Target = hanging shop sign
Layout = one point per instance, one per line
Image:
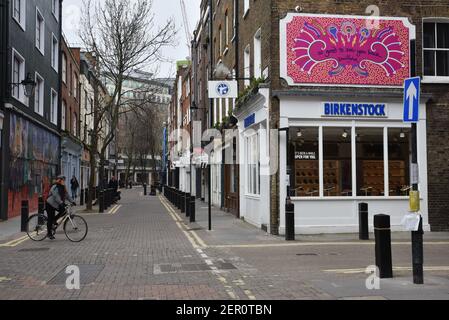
(338, 50)
(223, 89)
(358, 110)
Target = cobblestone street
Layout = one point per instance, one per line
(143, 249)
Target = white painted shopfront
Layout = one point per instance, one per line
(254, 160)
(340, 159)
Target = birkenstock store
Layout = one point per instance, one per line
(338, 154)
(346, 142)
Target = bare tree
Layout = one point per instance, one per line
(123, 36)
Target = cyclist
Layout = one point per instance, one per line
(56, 202)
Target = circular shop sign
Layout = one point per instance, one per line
(223, 89)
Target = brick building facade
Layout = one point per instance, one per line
(257, 39)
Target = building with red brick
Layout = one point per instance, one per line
(330, 83)
(71, 145)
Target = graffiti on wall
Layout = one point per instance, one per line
(340, 50)
(33, 164)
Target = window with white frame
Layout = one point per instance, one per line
(39, 95)
(252, 164)
(19, 12)
(75, 125)
(54, 53)
(257, 55)
(55, 8)
(436, 49)
(75, 85)
(63, 115)
(234, 19)
(54, 107)
(245, 7)
(356, 161)
(40, 31)
(246, 65)
(226, 29)
(64, 68)
(18, 75)
(220, 41)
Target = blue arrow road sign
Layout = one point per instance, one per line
(412, 91)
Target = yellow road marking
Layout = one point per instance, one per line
(113, 208)
(308, 244)
(114, 211)
(192, 241)
(15, 242)
(3, 279)
(354, 271)
(200, 241)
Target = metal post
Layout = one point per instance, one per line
(144, 189)
(382, 230)
(363, 221)
(81, 197)
(25, 213)
(187, 204)
(417, 236)
(41, 210)
(183, 202)
(192, 209)
(101, 201)
(289, 221)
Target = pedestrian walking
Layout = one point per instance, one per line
(74, 186)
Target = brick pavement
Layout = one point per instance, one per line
(148, 251)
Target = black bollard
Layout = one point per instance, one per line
(153, 191)
(417, 254)
(183, 202)
(81, 197)
(187, 204)
(25, 213)
(382, 231)
(192, 209)
(144, 189)
(101, 201)
(178, 199)
(289, 221)
(363, 221)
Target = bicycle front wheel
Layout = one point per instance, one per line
(75, 228)
(37, 227)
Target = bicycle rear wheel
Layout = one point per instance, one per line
(75, 228)
(37, 227)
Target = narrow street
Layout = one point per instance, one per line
(143, 249)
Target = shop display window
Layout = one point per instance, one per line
(370, 162)
(337, 165)
(337, 177)
(399, 161)
(305, 156)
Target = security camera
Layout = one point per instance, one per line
(298, 9)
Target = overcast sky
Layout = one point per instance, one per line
(164, 9)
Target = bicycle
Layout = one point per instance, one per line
(75, 227)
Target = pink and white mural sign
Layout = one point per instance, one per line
(345, 50)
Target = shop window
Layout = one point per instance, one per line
(370, 162)
(304, 150)
(399, 161)
(253, 164)
(337, 165)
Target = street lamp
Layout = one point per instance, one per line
(28, 84)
